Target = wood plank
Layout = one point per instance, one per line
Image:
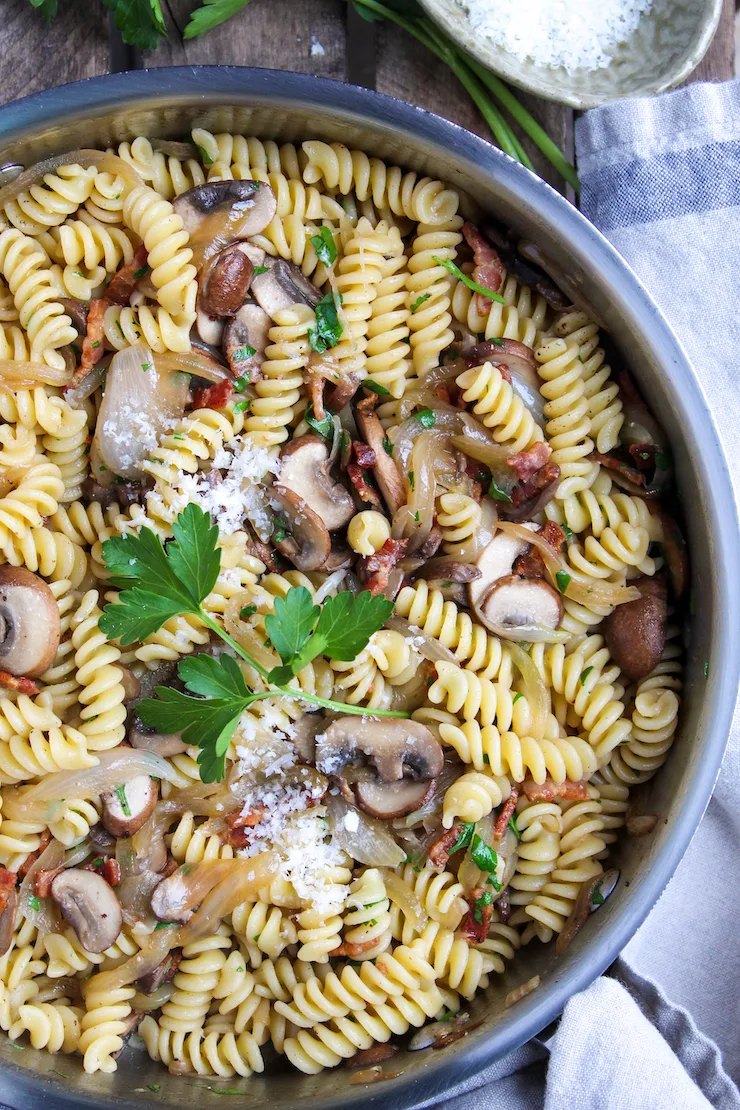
(718, 63)
(36, 57)
(407, 70)
(308, 36)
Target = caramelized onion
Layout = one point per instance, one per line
(425, 645)
(483, 450)
(22, 375)
(589, 591)
(103, 160)
(43, 800)
(408, 901)
(369, 843)
(535, 691)
(195, 363)
(240, 880)
(156, 947)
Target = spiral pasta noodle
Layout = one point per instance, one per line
(24, 266)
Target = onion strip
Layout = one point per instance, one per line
(22, 375)
(535, 691)
(585, 592)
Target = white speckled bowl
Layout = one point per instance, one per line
(667, 46)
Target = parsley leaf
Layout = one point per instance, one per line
(328, 330)
(451, 268)
(292, 623)
(514, 827)
(140, 22)
(324, 245)
(325, 427)
(498, 494)
(247, 611)
(121, 795)
(464, 838)
(213, 677)
(193, 556)
(139, 613)
(584, 675)
(374, 387)
(425, 418)
(347, 623)
(485, 858)
(597, 898)
(562, 578)
(485, 899)
(420, 301)
(210, 15)
(48, 8)
(207, 723)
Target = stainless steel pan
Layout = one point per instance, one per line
(287, 106)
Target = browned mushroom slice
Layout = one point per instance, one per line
(245, 339)
(521, 608)
(210, 328)
(494, 562)
(129, 806)
(239, 208)
(172, 900)
(7, 921)
(163, 973)
(146, 739)
(447, 570)
(385, 470)
(77, 312)
(90, 906)
(635, 632)
(283, 285)
(131, 684)
(225, 281)
(395, 749)
(304, 468)
(30, 628)
(306, 542)
(391, 800)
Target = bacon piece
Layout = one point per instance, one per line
(354, 950)
(631, 473)
(488, 267)
(343, 392)
(553, 534)
(530, 565)
(531, 496)
(8, 879)
(164, 973)
(502, 821)
(488, 352)
(378, 567)
(365, 457)
(42, 881)
(527, 463)
(248, 820)
(644, 455)
(356, 475)
(215, 396)
(474, 931)
(549, 790)
(112, 872)
(28, 863)
(19, 683)
(439, 852)
(123, 283)
(93, 346)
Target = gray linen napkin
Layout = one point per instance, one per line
(661, 179)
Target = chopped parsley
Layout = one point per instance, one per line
(328, 330)
(597, 898)
(562, 578)
(146, 366)
(425, 418)
(420, 301)
(416, 515)
(451, 268)
(466, 835)
(241, 354)
(584, 675)
(514, 828)
(375, 388)
(485, 899)
(241, 384)
(34, 903)
(260, 270)
(497, 493)
(204, 156)
(121, 794)
(247, 611)
(164, 925)
(568, 531)
(96, 344)
(706, 668)
(485, 858)
(516, 697)
(387, 446)
(279, 534)
(241, 406)
(323, 427)
(412, 480)
(324, 245)
(140, 273)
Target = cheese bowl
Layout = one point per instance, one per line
(290, 107)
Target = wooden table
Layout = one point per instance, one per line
(312, 36)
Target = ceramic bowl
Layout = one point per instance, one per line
(670, 41)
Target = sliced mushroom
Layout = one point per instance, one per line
(172, 899)
(246, 206)
(304, 468)
(247, 332)
(521, 608)
(102, 839)
(77, 312)
(395, 749)
(283, 285)
(391, 800)
(163, 973)
(306, 542)
(146, 739)
(131, 684)
(130, 806)
(494, 562)
(7, 920)
(447, 570)
(90, 906)
(225, 281)
(385, 470)
(210, 328)
(635, 632)
(30, 628)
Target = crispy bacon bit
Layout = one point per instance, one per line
(474, 931)
(376, 1054)
(343, 392)
(215, 396)
(365, 457)
(356, 475)
(644, 455)
(631, 473)
(502, 821)
(553, 534)
(378, 567)
(527, 463)
(548, 790)
(530, 565)
(248, 820)
(19, 683)
(543, 481)
(112, 872)
(352, 951)
(8, 880)
(439, 852)
(28, 863)
(123, 282)
(488, 267)
(93, 346)
(431, 543)
(315, 383)
(42, 881)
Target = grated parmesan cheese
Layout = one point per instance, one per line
(572, 34)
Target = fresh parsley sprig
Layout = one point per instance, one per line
(159, 581)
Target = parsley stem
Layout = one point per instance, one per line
(233, 643)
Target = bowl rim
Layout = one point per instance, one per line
(497, 60)
(212, 86)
